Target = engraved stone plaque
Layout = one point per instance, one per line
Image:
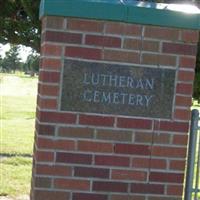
(117, 89)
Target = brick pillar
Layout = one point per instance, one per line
(109, 154)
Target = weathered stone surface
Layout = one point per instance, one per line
(117, 89)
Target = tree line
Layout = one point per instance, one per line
(19, 24)
(12, 62)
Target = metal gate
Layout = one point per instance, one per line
(192, 185)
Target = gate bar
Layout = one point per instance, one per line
(191, 154)
(198, 166)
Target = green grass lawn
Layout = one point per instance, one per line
(196, 105)
(15, 176)
(17, 119)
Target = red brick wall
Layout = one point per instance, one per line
(101, 157)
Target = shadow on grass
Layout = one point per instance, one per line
(9, 155)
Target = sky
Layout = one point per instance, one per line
(23, 53)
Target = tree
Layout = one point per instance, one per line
(19, 23)
(1, 59)
(196, 91)
(32, 64)
(11, 62)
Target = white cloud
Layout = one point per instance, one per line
(3, 49)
